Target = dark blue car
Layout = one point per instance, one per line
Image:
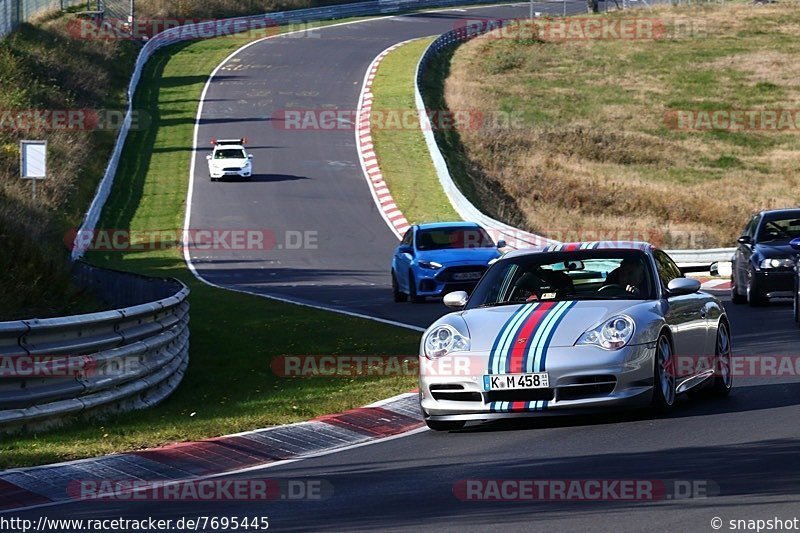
(764, 263)
(437, 258)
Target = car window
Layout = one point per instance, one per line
(667, 269)
(750, 229)
(229, 153)
(605, 274)
(408, 237)
(778, 228)
(453, 238)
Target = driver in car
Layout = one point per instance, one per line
(629, 275)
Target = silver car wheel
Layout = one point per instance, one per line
(724, 356)
(666, 373)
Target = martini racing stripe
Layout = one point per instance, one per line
(571, 247)
(525, 337)
(522, 339)
(516, 407)
(508, 328)
(537, 362)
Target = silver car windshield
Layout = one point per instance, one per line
(581, 275)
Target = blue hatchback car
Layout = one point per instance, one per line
(437, 258)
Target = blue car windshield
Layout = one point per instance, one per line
(606, 274)
(453, 238)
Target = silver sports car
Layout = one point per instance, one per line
(573, 326)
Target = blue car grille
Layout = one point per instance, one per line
(447, 274)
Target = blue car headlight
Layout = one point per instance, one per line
(431, 265)
(445, 339)
(612, 334)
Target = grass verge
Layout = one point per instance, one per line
(229, 386)
(46, 73)
(593, 144)
(414, 187)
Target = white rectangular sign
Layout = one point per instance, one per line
(33, 159)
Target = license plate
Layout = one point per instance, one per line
(537, 380)
(464, 276)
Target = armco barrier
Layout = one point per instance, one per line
(515, 237)
(131, 357)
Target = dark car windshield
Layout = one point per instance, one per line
(779, 229)
(229, 153)
(455, 237)
(580, 275)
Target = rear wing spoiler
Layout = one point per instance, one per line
(219, 142)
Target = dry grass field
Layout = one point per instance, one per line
(591, 143)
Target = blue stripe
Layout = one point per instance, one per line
(543, 360)
(500, 336)
(531, 363)
(498, 364)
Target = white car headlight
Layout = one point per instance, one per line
(777, 263)
(612, 334)
(444, 339)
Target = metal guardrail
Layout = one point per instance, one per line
(128, 358)
(515, 237)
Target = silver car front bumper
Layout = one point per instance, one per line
(580, 378)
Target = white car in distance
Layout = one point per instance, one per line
(229, 158)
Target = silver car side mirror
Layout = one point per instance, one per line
(208, 157)
(682, 286)
(456, 299)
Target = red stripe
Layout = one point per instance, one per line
(571, 247)
(517, 406)
(518, 348)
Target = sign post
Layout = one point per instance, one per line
(33, 161)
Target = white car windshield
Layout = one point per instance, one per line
(581, 275)
(229, 153)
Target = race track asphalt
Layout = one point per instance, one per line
(308, 185)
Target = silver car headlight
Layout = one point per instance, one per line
(444, 339)
(612, 334)
(777, 263)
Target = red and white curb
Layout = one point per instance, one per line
(40, 486)
(716, 285)
(366, 152)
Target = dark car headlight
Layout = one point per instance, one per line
(431, 265)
